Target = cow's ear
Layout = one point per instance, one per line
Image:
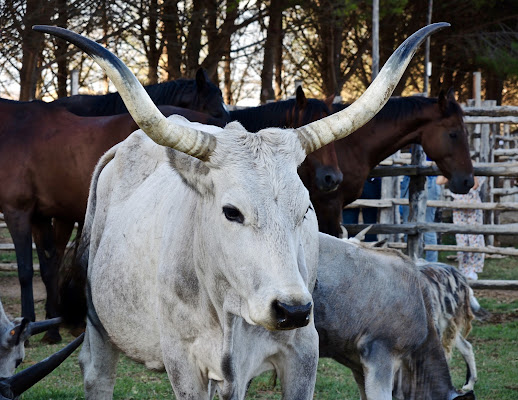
(301, 97)
(195, 173)
(201, 79)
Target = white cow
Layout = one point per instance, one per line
(201, 245)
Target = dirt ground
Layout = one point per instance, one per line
(10, 294)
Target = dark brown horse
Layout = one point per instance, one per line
(435, 123)
(320, 171)
(47, 156)
(198, 94)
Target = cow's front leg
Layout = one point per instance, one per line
(98, 361)
(185, 377)
(297, 368)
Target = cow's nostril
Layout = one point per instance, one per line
(291, 317)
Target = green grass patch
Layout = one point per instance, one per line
(495, 344)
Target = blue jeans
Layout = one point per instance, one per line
(371, 190)
(433, 192)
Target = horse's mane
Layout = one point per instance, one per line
(273, 115)
(167, 93)
(9, 101)
(400, 108)
(163, 92)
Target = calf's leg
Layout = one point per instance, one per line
(379, 368)
(466, 350)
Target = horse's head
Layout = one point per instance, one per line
(320, 170)
(445, 140)
(209, 98)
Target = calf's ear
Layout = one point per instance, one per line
(17, 333)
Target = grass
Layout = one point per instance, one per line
(495, 344)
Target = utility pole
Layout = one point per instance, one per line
(375, 38)
(427, 64)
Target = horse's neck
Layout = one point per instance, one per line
(257, 118)
(392, 136)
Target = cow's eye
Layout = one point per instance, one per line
(309, 208)
(453, 135)
(233, 214)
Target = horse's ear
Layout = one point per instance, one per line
(445, 98)
(329, 101)
(201, 78)
(450, 96)
(301, 97)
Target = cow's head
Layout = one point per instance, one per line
(255, 228)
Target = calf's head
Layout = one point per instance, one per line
(261, 247)
(13, 335)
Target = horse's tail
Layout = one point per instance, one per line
(73, 284)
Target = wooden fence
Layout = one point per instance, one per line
(494, 147)
(494, 144)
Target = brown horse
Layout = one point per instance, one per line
(47, 156)
(435, 123)
(320, 171)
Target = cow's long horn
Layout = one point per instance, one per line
(25, 379)
(337, 126)
(145, 113)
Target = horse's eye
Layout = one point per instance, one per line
(233, 214)
(453, 135)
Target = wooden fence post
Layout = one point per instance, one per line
(417, 204)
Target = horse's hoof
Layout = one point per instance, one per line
(76, 331)
(51, 337)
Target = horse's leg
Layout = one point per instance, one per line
(49, 267)
(19, 225)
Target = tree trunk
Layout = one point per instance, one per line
(172, 39)
(37, 12)
(61, 50)
(153, 47)
(227, 78)
(219, 38)
(494, 86)
(193, 48)
(278, 63)
(212, 39)
(274, 34)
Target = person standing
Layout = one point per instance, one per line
(470, 264)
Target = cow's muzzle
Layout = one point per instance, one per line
(291, 317)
